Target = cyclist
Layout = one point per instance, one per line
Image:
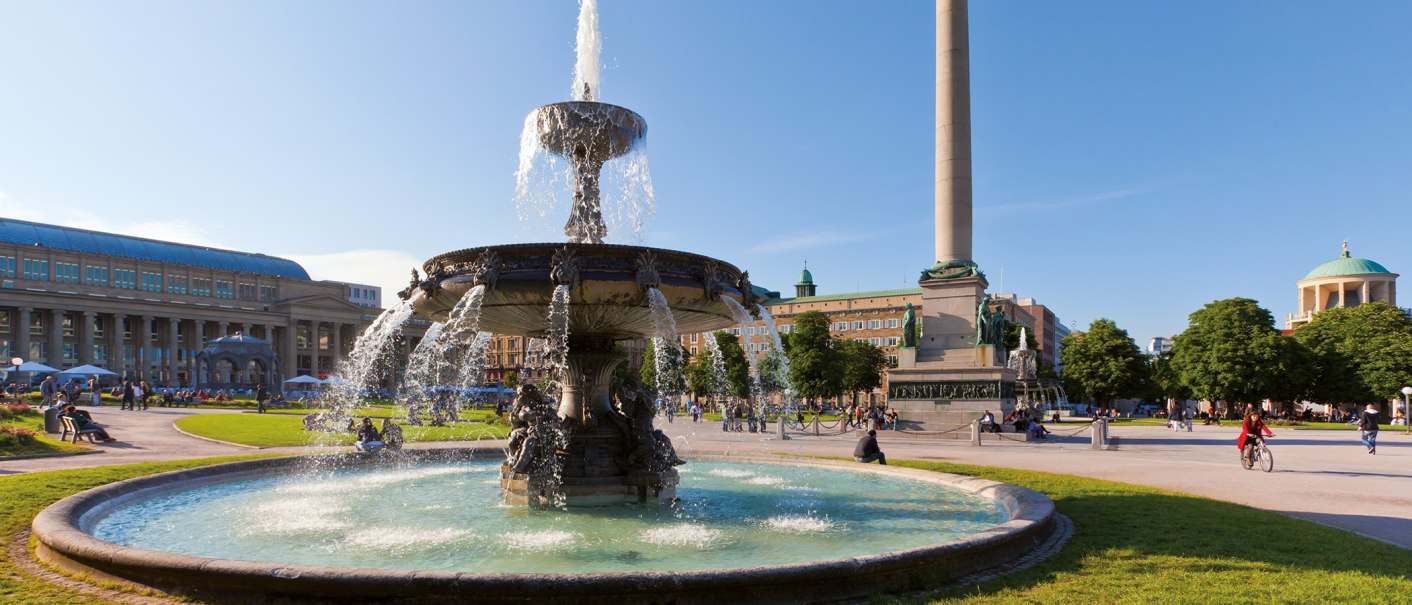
(1251, 430)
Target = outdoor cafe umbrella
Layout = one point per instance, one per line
(89, 370)
(304, 379)
(33, 366)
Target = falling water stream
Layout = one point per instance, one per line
(742, 317)
(667, 348)
(556, 349)
(369, 362)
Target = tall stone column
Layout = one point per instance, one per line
(173, 328)
(953, 132)
(337, 331)
(245, 330)
(144, 349)
(267, 333)
(224, 330)
(314, 344)
(85, 350)
(26, 316)
(287, 351)
(56, 338)
(117, 361)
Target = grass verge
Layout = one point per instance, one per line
(40, 443)
(26, 495)
(1274, 424)
(274, 430)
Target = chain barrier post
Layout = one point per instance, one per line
(783, 436)
(976, 432)
(816, 425)
(1097, 428)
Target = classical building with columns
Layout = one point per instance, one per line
(1342, 282)
(145, 308)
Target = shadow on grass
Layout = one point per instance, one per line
(1135, 544)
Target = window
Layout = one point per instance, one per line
(125, 278)
(68, 323)
(894, 323)
(36, 269)
(247, 291)
(693, 351)
(97, 276)
(875, 341)
(840, 326)
(694, 336)
(70, 351)
(127, 328)
(5, 349)
(176, 284)
(151, 282)
(7, 266)
(857, 325)
(302, 337)
(892, 341)
(735, 331)
(268, 294)
(892, 360)
(201, 286)
(36, 324)
(874, 324)
(4, 323)
(39, 351)
(787, 329)
(225, 289)
(66, 273)
(100, 353)
(98, 327)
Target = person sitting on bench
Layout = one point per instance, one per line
(988, 424)
(83, 422)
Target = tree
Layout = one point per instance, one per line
(1103, 363)
(813, 361)
(737, 367)
(1359, 354)
(511, 379)
(1012, 337)
(674, 360)
(1232, 352)
(701, 374)
(862, 366)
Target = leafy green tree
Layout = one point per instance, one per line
(1103, 363)
(669, 385)
(701, 374)
(1012, 337)
(511, 379)
(1359, 354)
(814, 369)
(649, 366)
(862, 366)
(737, 367)
(1232, 352)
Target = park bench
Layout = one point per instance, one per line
(70, 428)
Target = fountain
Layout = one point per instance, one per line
(571, 510)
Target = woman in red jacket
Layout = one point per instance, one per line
(1251, 429)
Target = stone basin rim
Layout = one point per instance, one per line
(64, 540)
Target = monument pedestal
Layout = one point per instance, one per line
(948, 381)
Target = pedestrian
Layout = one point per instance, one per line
(95, 391)
(144, 392)
(128, 402)
(139, 395)
(867, 449)
(261, 396)
(48, 390)
(1368, 427)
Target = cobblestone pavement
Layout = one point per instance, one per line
(1320, 475)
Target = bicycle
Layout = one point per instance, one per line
(1257, 453)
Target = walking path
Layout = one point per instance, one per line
(1320, 475)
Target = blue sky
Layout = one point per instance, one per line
(1133, 160)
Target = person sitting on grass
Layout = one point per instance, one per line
(391, 434)
(83, 422)
(368, 438)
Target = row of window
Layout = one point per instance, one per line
(872, 324)
(128, 279)
(39, 351)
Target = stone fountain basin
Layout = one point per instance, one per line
(588, 130)
(62, 531)
(608, 298)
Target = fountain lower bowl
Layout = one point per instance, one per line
(63, 531)
(609, 288)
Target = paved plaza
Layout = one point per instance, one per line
(1320, 475)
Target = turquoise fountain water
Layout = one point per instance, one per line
(449, 517)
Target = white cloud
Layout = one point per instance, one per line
(172, 230)
(390, 269)
(814, 239)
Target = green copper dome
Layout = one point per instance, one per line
(805, 277)
(1346, 265)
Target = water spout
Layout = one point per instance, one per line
(590, 46)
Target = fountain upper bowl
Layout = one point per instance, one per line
(588, 130)
(608, 288)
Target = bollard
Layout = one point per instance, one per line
(1105, 433)
(842, 427)
(1098, 433)
(781, 429)
(816, 425)
(976, 432)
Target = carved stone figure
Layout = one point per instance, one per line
(747, 292)
(530, 420)
(564, 268)
(951, 269)
(709, 281)
(487, 269)
(646, 268)
(909, 327)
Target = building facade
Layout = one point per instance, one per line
(363, 295)
(1342, 282)
(145, 308)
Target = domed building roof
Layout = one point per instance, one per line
(805, 277)
(1346, 265)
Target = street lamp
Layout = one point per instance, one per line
(16, 362)
(1407, 408)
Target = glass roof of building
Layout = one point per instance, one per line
(25, 233)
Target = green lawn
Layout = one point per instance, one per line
(1131, 545)
(272, 430)
(42, 443)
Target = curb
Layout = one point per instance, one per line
(49, 455)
